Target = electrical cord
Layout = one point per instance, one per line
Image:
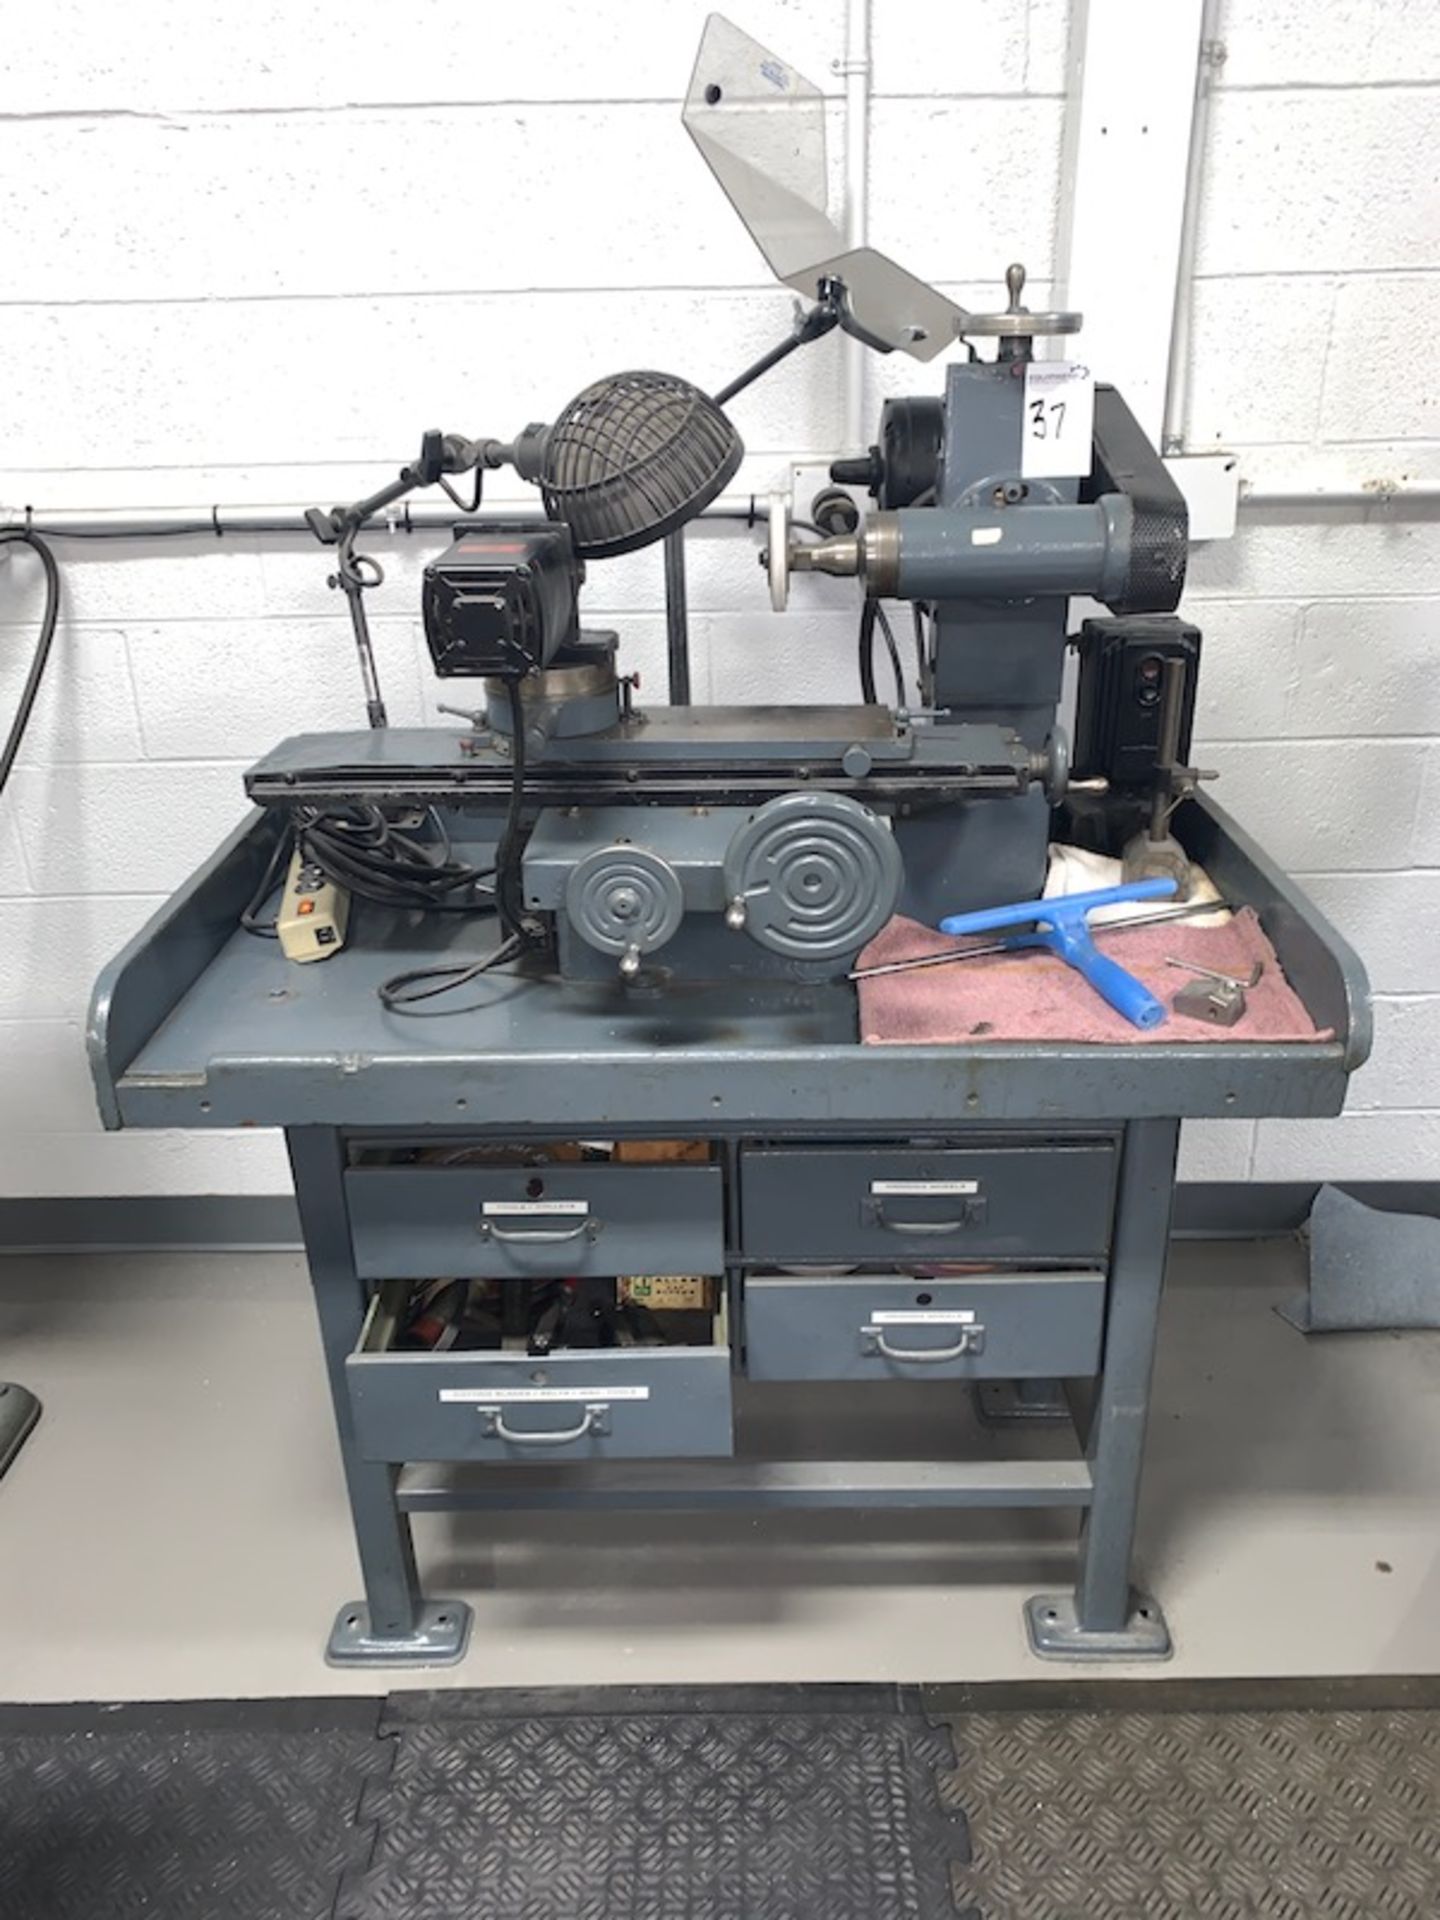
(871, 615)
(901, 698)
(926, 679)
(250, 914)
(403, 992)
(359, 849)
(49, 620)
(867, 652)
(509, 898)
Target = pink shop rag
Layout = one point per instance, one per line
(1036, 996)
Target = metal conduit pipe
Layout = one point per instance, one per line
(1209, 58)
(747, 509)
(220, 522)
(855, 68)
(677, 620)
(1377, 498)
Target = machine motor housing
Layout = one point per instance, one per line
(1120, 697)
(501, 602)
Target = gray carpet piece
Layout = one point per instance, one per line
(1369, 1269)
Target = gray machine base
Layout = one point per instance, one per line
(442, 1633)
(19, 1410)
(1055, 1632)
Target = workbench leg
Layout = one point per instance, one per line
(394, 1625)
(1104, 1619)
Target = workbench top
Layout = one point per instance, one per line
(200, 1024)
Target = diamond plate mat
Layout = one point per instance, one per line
(781, 1804)
(230, 1811)
(1258, 1815)
(1153, 1800)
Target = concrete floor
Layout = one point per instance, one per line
(176, 1525)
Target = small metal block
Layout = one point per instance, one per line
(1219, 1003)
(1055, 1632)
(441, 1636)
(1006, 1403)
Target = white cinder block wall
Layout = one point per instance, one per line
(251, 250)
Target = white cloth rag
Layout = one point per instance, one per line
(1077, 870)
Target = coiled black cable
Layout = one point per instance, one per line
(362, 850)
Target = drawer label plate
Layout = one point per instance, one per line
(523, 1208)
(925, 1317)
(496, 1396)
(896, 1187)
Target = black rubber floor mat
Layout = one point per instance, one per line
(1273, 1814)
(191, 1811)
(766, 1804)
(1156, 1800)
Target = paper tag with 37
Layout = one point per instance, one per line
(1059, 420)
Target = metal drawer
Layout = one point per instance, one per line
(619, 1404)
(1051, 1200)
(890, 1327)
(411, 1223)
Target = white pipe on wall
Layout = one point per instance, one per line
(855, 66)
(1377, 497)
(1209, 57)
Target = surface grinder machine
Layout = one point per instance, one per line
(598, 1161)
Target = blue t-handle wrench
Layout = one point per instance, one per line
(1062, 928)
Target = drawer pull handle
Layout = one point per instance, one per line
(539, 1236)
(873, 1340)
(971, 1214)
(595, 1419)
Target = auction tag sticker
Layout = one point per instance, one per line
(936, 1317)
(497, 1209)
(880, 1188)
(538, 1396)
(1059, 420)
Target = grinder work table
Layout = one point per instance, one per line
(966, 1214)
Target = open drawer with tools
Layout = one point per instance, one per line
(948, 1324)
(640, 1397)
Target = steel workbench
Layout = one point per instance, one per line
(1048, 1171)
